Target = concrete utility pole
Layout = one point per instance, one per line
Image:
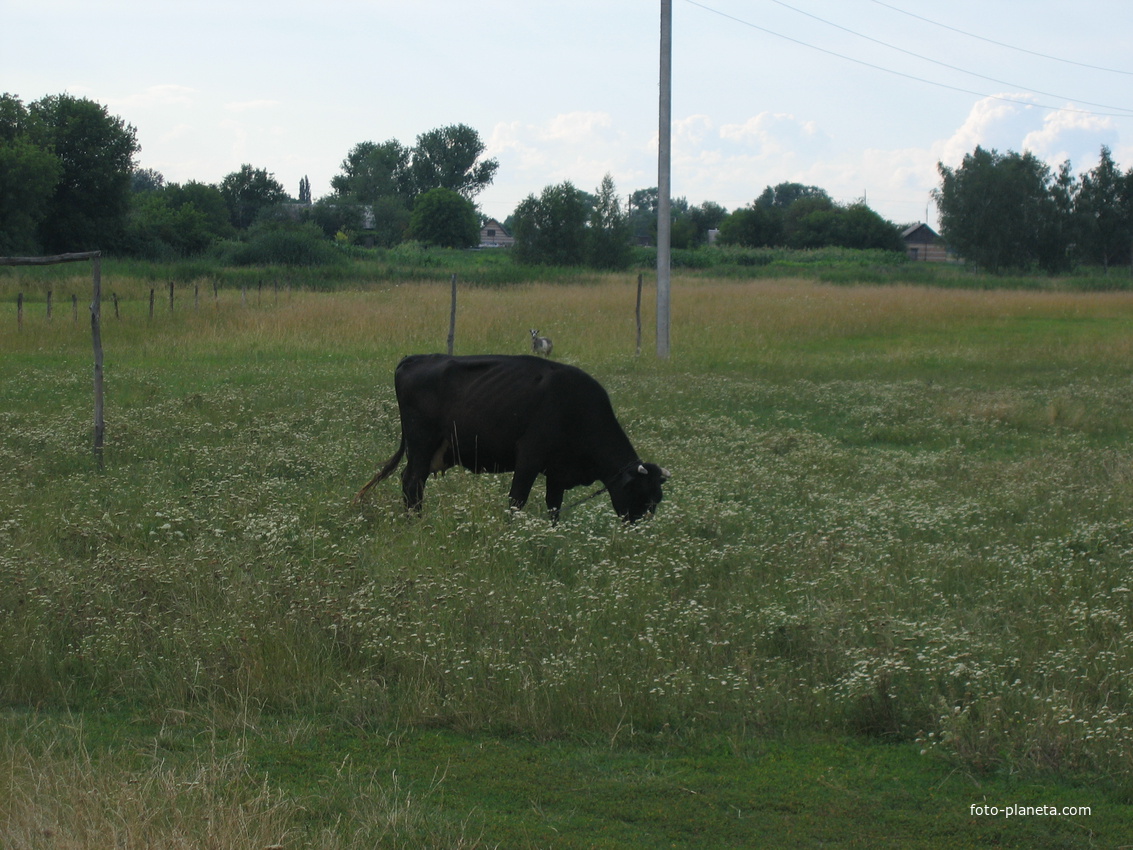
(664, 221)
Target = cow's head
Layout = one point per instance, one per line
(636, 490)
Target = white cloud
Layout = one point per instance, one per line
(776, 133)
(251, 105)
(692, 131)
(1074, 136)
(993, 122)
(156, 96)
(1053, 135)
(177, 131)
(575, 127)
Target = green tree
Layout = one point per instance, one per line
(372, 171)
(445, 218)
(752, 227)
(607, 238)
(1061, 230)
(392, 221)
(785, 195)
(860, 227)
(159, 230)
(91, 200)
(998, 211)
(705, 217)
(146, 180)
(248, 193)
(450, 158)
(1103, 214)
(551, 229)
(642, 214)
(208, 200)
(811, 222)
(334, 216)
(28, 177)
(176, 221)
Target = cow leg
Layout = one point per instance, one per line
(521, 483)
(554, 500)
(413, 482)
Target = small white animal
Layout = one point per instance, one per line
(540, 344)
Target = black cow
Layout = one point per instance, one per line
(521, 414)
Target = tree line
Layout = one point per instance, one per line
(68, 182)
(1011, 211)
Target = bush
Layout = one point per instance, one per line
(444, 218)
(285, 245)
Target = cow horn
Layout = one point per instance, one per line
(665, 476)
(642, 470)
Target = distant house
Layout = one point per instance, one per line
(924, 244)
(493, 235)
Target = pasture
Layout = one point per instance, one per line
(892, 576)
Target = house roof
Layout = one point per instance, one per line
(920, 229)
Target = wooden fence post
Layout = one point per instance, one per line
(49, 304)
(638, 314)
(74, 308)
(452, 318)
(20, 312)
(170, 296)
(96, 341)
(151, 303)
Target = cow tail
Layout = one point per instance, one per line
(390, 467)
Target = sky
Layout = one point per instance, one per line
(860, 97)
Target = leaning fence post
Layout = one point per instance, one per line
(638, 314)
(452, 318)
(96, 341)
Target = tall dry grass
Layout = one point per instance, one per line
(61, 792)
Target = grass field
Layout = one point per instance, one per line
(891, 578)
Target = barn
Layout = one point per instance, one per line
(493, 235)
(924, 244)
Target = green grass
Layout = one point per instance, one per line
(890, 579)
(178, 779)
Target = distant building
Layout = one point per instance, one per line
(493, 235)
(924, 244)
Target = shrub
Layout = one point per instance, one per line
(286, 245)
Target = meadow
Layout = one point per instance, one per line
(891, 576)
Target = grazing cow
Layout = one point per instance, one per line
(520, 414)
(541, 344)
